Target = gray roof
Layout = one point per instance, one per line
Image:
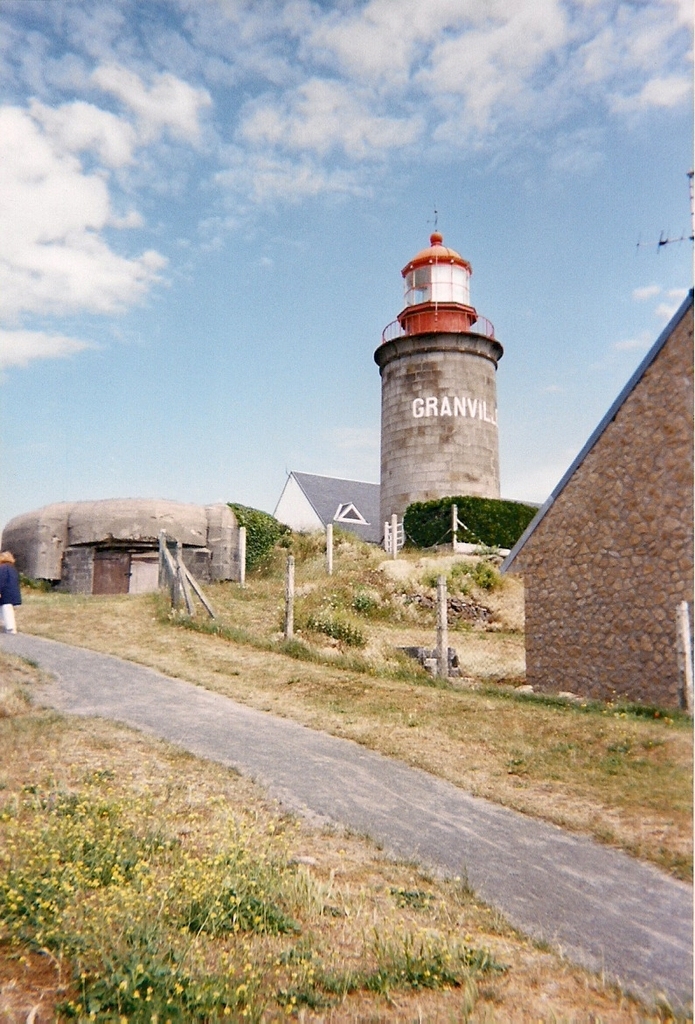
(330, 496)
(608, 418)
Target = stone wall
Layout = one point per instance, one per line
(78, 570)
(78, 567)
(607, 566)
(429, 451)
(198, 561)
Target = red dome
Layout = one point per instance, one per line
(436, 252)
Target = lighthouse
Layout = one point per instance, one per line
(438, 362)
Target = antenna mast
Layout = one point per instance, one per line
(663, 237)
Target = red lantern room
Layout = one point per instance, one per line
(437, 294)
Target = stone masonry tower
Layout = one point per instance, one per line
(438, 393)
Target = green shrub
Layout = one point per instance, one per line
(489, 521)
(463, 574)
(308, 547)
(364, 602)
(44, 586)
(485, 575)
(337, 628)
(426, 963)
(263, 531)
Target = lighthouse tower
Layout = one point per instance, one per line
(438, 362)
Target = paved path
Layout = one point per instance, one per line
(601, 907)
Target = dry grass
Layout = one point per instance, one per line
(355, 889)
(623, 779)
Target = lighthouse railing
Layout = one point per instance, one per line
(482, 326)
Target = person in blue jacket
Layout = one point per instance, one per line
(9, 591)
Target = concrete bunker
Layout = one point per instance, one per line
(111, 546)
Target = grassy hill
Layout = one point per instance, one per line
(620, 774)
(226, 908)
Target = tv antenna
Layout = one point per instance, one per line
(664, 236)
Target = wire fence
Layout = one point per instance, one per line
(475, 655)
(382, 612)
(349, 620)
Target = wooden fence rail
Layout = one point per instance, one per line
(174, 575)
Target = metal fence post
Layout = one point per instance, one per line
(394, 536)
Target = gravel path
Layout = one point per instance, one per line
(604, 909)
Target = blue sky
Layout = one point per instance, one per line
(206, 205)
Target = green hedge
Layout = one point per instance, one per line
(490, 521)
(263, 531)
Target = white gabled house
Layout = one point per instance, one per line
(310, 502)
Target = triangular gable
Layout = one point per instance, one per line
(598, 432)
(347, 512)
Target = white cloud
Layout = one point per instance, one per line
(577, 152)
(469, 69)
(490, 68)
(19, 348)
(641, 341)
(666, 92)
(266, 177)
(381, 41)
(308, 84)
(665, 310)
(169, 103)
(322, 115)
(52, 255)
(78, 127)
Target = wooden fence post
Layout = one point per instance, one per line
(182, 580)
(289, 598)
(442, 630)
(329, 549)
(174, 583)
(685, 654)
(242, 556)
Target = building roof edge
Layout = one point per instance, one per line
(599, 430)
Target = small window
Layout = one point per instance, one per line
(349, 513)
(418, 286)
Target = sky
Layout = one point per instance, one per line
(205, 206)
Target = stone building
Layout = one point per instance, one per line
(609, 557)
(111, 546)
(438, 363)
